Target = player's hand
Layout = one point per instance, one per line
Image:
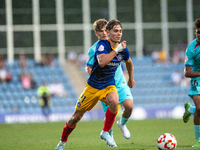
(120, 47)
(131, 82)
(123, 44)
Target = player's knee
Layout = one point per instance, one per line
(112, 101)
(129, 108)
(113, 105)
(128, 105)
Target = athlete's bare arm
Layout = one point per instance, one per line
(130, 69)
(104, 59)
(88, 69)
(189, 73)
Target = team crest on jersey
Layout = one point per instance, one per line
(78, 104)
(186, 58)
(119, 57)
(101, 48)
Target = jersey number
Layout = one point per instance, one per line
(82, 98)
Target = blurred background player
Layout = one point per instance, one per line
(44, 99)
(101, 84)
(192, 70)
(125, 96)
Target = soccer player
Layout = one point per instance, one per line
(125, 96)
(101, 83)
(44, 99)
(192, 70)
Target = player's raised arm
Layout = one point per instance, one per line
(104, 59)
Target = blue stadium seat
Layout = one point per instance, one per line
(153, 86)
(13, 93)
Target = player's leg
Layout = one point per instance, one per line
(46, 113)
(192, 109)
(128, 107)
(43, 110)
(69, 127)
(125, 98)
(85, 102)
(105, 107)
(196, 99)
(187, 113)
(112, 100)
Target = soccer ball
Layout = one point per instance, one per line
(166, 141)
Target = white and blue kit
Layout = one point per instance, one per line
(193, 60)
(119, 79)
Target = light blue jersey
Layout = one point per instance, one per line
(192, 59)
(120, 81)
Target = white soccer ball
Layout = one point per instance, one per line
(166, 141)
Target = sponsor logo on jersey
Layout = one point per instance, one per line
(113, 64)
(101, 48)
(119, 57)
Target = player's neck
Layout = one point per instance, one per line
(113, 44)
(198, 42)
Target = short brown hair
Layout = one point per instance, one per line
(98, 24)
(197, 23)
(112, 23)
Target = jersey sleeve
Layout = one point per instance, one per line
(126, 54)
(101, 48)
(91, 53)
(189, 61)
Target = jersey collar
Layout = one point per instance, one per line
(196, 45)
(115, 46)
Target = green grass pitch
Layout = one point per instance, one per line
(144, 133)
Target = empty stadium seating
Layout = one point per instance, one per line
(15, 99)
(153, 87)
